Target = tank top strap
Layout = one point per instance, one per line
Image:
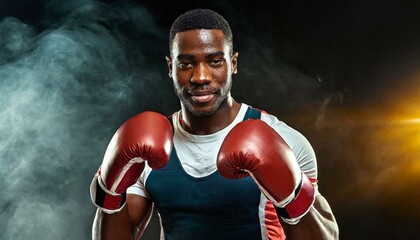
(252, 113)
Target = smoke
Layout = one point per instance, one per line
(64, 89)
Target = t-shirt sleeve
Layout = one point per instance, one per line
(302, 149)
(139, 188)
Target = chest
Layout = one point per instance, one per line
(172, 190)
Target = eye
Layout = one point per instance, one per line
(184, 65)
(217, 62)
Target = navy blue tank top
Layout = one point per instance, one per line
(210, 207)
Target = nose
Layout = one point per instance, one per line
(201, 74)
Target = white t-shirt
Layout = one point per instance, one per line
(197, 153)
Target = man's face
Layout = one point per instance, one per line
(201, 66)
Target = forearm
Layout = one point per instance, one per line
(112, 226)
(318, 223)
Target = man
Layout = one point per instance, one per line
(217, 169)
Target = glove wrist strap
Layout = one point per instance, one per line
(301, 204)
(104, 199)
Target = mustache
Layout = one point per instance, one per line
(201, 88)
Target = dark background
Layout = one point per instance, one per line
(344, 73)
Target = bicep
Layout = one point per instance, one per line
(323, 208)
(125, 224)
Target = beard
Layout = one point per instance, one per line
(220, 94)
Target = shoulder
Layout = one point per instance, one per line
(291, 136)
(299, 144)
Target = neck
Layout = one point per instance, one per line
(204, 125)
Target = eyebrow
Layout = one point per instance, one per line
(185, 57)
(190, 56)
(215, 54)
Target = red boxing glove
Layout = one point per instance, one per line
(254, 148)
(146, 136)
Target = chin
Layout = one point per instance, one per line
(202, 112)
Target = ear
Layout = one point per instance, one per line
(169, 62)
(234, 61)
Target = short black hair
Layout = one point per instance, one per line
(200, 19)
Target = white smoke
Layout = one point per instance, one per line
(63, 92)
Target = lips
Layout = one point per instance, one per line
(201, 96)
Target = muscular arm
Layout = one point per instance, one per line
(127, 224)
(318, 223)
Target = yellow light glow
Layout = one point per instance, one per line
(379, 145)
